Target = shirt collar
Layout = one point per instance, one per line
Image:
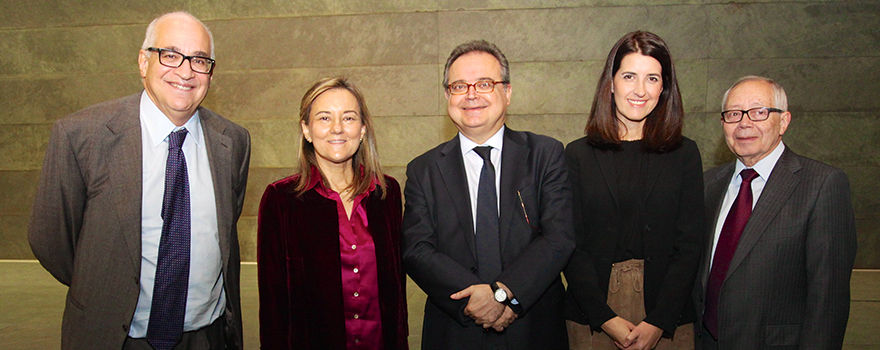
(764, 166)
(496, 141)
(158, 126)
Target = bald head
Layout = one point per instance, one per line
(152, 35)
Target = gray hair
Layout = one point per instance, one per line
(477, 46)
(150, 38)
(779, 98)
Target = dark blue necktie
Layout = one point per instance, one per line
(488, 247)
(736, 221)
(172, 269)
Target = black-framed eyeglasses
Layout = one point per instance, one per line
(755, 114)
(482, 86)
(173, 59)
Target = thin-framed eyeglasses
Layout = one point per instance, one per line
(755, 114)
(484, 86)
(173, 59)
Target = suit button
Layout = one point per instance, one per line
(125, 327)
(473, 269)
(647, 259)
(647, 228)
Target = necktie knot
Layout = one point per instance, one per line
(485, 152)
(176, 138)
(748, 175)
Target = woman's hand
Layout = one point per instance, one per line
(644, 337)
(618, 329)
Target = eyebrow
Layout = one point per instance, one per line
(478, 79)
(197, 53)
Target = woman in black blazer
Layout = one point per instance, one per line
(638, 204)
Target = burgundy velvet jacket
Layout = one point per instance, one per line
(300, 278)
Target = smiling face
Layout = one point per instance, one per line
(752, 141)
(477, 115)
(176, 91)
(335, 128)
(636, 88)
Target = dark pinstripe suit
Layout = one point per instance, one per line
(788, 282)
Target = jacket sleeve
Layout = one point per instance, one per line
(830, 253)
(438, 274)
(272, 272)
(57, 214)
(581, 275)
(539, 262)
(676, 287)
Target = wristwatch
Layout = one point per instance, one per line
(501, 297)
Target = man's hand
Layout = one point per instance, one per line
(505, 320)
(644, 337)
(618, 329)
(482, 306)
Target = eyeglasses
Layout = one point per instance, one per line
(173, 59)
(755, 114)
(482, 86)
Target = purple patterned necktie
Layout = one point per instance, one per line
(733, 227)
(172, 269)
(488, 246)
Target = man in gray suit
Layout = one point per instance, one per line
(108, 220)
(778, 259)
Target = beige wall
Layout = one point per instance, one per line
(57, 57)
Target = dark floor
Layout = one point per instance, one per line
(31, 303)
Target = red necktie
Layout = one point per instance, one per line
(733, 227)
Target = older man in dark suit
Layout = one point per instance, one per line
(137, 207)
(487, 226)
(778, 259)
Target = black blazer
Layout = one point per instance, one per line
(438, 242)
(672, 224)
(787, 286)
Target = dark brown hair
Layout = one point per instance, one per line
(662, 129)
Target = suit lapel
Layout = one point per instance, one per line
(220, 159)
(716, 188)
(783, 180)
(451, 168)
(513, 173)
(605, 159)
(126, 156)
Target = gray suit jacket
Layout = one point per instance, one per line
(788, 282)
(86, 223)
(439, 247)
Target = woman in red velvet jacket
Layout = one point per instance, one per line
(328, 238)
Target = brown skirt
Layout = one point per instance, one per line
(626, 298)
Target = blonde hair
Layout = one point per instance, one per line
(366, 155)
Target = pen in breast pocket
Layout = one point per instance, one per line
(523, 205)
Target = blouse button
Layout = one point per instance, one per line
(355, 270)
(356, 316)
(356, 294)
(353, 247)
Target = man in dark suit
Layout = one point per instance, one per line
(137, 207)
(780, 252)
(487, 246)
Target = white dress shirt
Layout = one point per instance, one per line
(205, 298)
(473, 165)
(764, 167)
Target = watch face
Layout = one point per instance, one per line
(500, 295)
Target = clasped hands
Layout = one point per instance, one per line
(628, 336)
(484, 309)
